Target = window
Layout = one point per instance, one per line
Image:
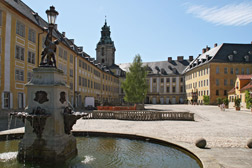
(6, 100)
(242, 71)
(232, 70)
(154, 80)
(71, 85)
(173, 89)
(199, 83)
(167, 89)
(167, 80)
(162, 80)
(217, 70)
(204, 82)
(19, 52)
(29, 76)
(225, 70)
(71, 58)
(1, 17)
(65, 55)
(19, 74)
(60, 52)
(181, 79)
(217, 82)
(31, 57)
(231, 82)
(217, 93)
(20, 29)
(83, 81)
(181, 89)
(247, 68)
(32, 35)
(80, 62)
(20, 100)
(71, 72)
(225, 92)
(225, 82)
(207, 82)
(173, 80)
(236, 71)
(79, 80)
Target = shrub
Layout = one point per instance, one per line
(219, 100)
(237, 102)
(248, 99)
(206, 100)
(225, 101)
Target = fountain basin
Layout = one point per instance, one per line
(96, 149)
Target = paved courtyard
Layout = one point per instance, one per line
(226, 132)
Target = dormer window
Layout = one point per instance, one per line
(231, 57)
(246, 58)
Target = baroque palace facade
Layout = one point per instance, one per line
(22, 35)
(213, 73)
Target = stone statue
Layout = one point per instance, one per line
(49, 51)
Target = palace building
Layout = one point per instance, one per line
(166, 80)
(22, 36)
(213, 73)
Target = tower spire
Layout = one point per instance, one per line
(105, 20)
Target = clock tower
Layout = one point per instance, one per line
(105, 49)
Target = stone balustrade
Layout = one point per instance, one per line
(140, 115)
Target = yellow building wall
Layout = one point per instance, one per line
(221, 76)
(17, 86)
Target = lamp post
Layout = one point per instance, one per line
(51, 16)
(50, 48)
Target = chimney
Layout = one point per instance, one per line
(215, 45)
(64, 34)
(56, 27)
(203, 50)
(207, 48)
(169, 59)
(180, 58)
(190, 58)
(72, 40)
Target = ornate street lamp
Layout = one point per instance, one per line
(51, 47)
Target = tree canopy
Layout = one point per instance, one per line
(135, 85)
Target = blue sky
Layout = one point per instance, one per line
(155, 29)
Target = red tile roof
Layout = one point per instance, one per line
(248, 86)
(232, 90)
(241, 77)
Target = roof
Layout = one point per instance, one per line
(232, 90)
(224, 53)
(173, 67)
(247, 87)
(244, 77)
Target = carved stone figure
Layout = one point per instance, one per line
(41, 97)
(49, 51)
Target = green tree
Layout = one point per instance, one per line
(135, 86)
(248, 99)
(206, 100)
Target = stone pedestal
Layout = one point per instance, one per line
(45, 139)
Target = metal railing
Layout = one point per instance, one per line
(140, 115)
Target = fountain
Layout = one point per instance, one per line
(48, 117)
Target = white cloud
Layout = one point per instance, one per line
(229, 15)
